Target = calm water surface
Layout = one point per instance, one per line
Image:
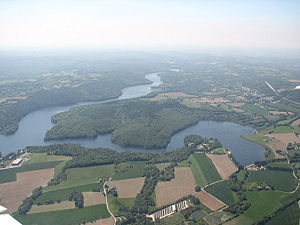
(33, 127)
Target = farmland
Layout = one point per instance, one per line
(64, 193)
(182, 185)
(209, 201)
(63, 217)
(204, 171)
(128, 188)
(93, 198)
(222, 191)
(291, 215)
(13, 193)
(52, 207)
(224, 164)
(43, 157)
(280, 180)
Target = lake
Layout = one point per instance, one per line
(32, 129)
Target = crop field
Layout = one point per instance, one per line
(222, 191)
(296, 123)
(203, 169)
(93, 198)
(128, 188)
(209, 200)
(290, 215)
(9, 175)
(63, 217)
(82, 176)
(43, 157)
(280, 180)
(52, 207)
(255, 110)
(182, 185)
(286, 138)
(224, 164)
(12, 194)
(64, 193)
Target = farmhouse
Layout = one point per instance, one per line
(16, 162)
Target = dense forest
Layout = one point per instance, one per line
(137, 123)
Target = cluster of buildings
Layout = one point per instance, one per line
(169, 210)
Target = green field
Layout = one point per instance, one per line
(255, 110)
(203, 169)
(136, 169)
(283, 129)
(262, 203)
(43, 157)
(290, 215)
(280, 180)
(115, 204)
(282, 164)
(256, 138)
(63, 194)
(64, 217)
(88, 175)
(9, 175)
(285, 122)
(223, 192)
(84, 175)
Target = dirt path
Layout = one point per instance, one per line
(106, 203)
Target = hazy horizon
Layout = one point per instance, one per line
(132, 24)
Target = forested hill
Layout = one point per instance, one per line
(135, 123)
(108, 86)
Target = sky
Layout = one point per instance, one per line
(150, 23)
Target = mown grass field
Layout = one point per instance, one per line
(219, 151)
(290, 215)
(262, 203)
(43, 157)
(223, 192)
(203, 169)
(64, 217)
(63, 194)
(280, 180)
(282, 164)
(9, 175)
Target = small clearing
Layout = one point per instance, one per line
(224, 164)
(13, 193)
(93, 198)
(209, 200)
(182, 185)
(128, 188)
(52, 207)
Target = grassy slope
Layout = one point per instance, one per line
(64, 217)
(9, 175)
(283, 129)
(223, 192)
(280, 180)
(203, 169)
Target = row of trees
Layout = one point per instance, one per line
(28, 202)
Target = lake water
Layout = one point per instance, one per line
(32, 129)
